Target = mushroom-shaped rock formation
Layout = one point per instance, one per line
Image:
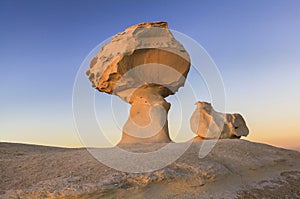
(207, 123)
(142, 65)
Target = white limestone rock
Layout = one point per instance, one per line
(207, 123)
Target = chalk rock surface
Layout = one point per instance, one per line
(207, 123)
(235, 168)
(142, 65)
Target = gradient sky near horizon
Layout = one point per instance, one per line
(255, 44)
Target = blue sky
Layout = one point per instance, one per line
(255, 44)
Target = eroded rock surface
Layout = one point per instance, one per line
(142, 65)
(234, 168)
(145, 43)
(207, 123)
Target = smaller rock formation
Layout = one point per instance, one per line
(207, 123)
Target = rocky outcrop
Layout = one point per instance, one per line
(142, 65)
(207, 123)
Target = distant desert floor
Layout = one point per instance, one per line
(233, 169)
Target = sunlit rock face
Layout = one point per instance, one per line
(207, 123)
(142, 65)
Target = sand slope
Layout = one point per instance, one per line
(233, 169)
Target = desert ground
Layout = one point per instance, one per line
(233, 169)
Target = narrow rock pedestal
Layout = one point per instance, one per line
(148, 119)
